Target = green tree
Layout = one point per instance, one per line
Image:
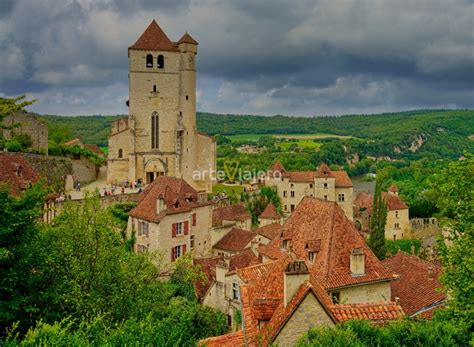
(378, 219)
(9, 106)
(455, 200)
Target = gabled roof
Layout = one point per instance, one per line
(417, 286)
(342, 179)
(270, 231)
(277, 167)
(16, 172)
(230, 213)
(95, 149)
(377, 312)
(270, 212)
(208, 267)
(393, 202)
(323, 171)
(235, 339)
(186, 38)
(315, 219)
(235, 240)
(154, 39)
(243, 259)
(177, 194)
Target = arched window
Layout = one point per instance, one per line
(120, 153)
(149, 60)
(160, 62)
(155, 130)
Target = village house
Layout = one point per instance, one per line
(235, 241)
(224, 218)
(159, 137)
(317, 270)
(270, 215)
(323, 183)
(398, 220)
(417, 288)
(172, 218)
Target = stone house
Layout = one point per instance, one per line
(159, 137)
(224, 218)
(172, 218)
(30, 125)
(323, 183)
(269, 215)
(398, 220)
(235, 241)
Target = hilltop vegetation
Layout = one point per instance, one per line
(450, 127)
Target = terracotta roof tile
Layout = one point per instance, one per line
(272, 250)
(154, 39)
(417, 286)
(186, 38)
(178, 197)
(277, 167)
(208, 267)
(270, 231)
(16, 172)
(393, 201)
(235, 339)
(244, 259)
(377, 312)
(230, 213)
(316, 219)
(364, 201)
(323, 171)
(341, 177)
(270, 212)
(95, 149)
(235, 240)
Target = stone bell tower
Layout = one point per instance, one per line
(162, 138)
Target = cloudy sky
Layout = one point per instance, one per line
(293, 57)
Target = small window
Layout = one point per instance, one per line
(311, 256)
(292, 185)
(229, 320)
(396, 214)
(235, 291)
(120, 153)
(177, 252)
(397, 225)
(286, 207)
(394, 237)
(311, 185)
(160, 62)
(325, 185)
(149, 61)
(191, 242)
(179, 229)
(284, 193)
(336, 297)
(187, 97)
(142, 248)
(285, 244)
(292, 207)
(154, 88)
(340, 197)
(325, 197)
(292, 194)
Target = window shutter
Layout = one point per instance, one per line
(194, 219)
(173, 254)
(186, 227)
(173, 230)
(184, 249)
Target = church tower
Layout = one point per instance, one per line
(160, 136)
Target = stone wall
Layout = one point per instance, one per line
(30, 125)
(365, 293)
(50, 168)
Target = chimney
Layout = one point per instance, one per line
(221, 270)
(160, 204)
(430, 272)
(357, 262)
(296, 273)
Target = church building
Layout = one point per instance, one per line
(159, 137)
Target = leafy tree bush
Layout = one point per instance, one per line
(393, 246)
(378, 220)
(13, 145)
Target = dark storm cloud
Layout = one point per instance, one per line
(270, 56)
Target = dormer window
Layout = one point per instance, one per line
(149, 61)
(19, 171)
(160, 62)
(311, 256)
(285, 244)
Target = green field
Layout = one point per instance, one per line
(229, 190)
(255, 137)
(301, 143)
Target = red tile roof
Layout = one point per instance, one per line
(186, 38)
(154, 39)
(270, 231)
(235, 339)
(244, 259)
(77, 141)
(235, 240)
(16, 172)
(393, 202)
(277, 167)
(272, 250)
(316, 219)
(270, 212)
(415, 287)
(95, 149)
(178, 197)
(341, 177)
(230, 213)
(364, 201)
(208, 267)
(377, 312)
